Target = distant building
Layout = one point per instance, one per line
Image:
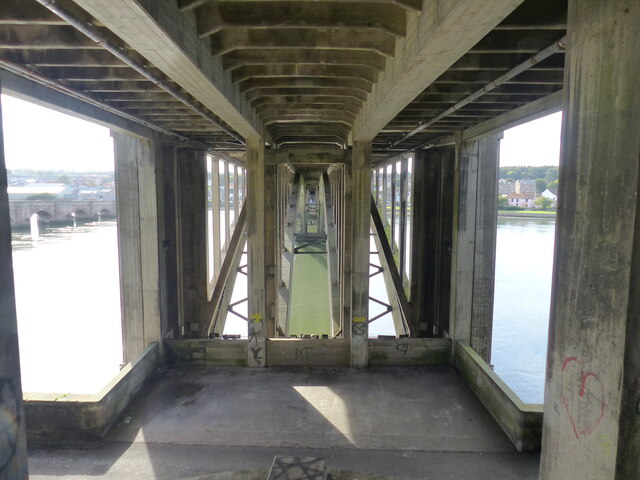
(56, 190)
(506, 186)
(524, 200)
(526, 186)
(551, 194)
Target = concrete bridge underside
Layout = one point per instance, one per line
(342, 88)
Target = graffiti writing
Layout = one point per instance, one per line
(303, 353)
(403, 347)
(582, 396)
(359, 326)
(9, 423)
(256, 354)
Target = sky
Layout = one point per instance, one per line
(532, 144)
(39, 138)
(42, 139)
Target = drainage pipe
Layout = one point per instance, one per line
(555, 47)
(98, 37)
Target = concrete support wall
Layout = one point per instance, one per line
(361, 225)
(257, 263)
(192, 240)
(474, 243)
(431, 240)
(13, 449)
(137, 242)
(592, 400)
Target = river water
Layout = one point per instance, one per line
(68, 302)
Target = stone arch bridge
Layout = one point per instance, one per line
(59, 210)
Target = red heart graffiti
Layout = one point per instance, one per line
(582, 396)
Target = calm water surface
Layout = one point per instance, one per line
(524, 263)
(68, 302)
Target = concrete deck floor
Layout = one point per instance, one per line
(400, 422)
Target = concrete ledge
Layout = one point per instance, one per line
(57, 418)
(316, 352)
(522, 422)
(212, 352)
(403, 352)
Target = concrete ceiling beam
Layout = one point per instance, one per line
(315, 91)
(409, 5)
(303, 56)
(78, 57)
(436, 38)
(90, 73)
(282, 112)
(301, 99)
(27, 37)
(158, 32)
(221, 15)
(19, 12)
(316, 120)
(303, 70)
(304, 82)
(230, 40)
(307, 107)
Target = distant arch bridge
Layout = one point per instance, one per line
(57, 211)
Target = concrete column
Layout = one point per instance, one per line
(361, 226)
(192, 239)
(137, 242)
(257, 263)
(474, 242)
(592, 399)
(431, 240)
(271, 230)
(167, 226)
(13, 443)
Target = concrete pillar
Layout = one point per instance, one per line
(474, 242)
(137, 242)
(431, 240)
(257, 263)
(192, 239)
(13, 443)
(592, 400)
(167, 226)
(361, 226)
(271, 230)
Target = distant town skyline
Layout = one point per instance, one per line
(39, 138)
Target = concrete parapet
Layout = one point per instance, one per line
(212, 352)
(522, 422)
(53, 418)
(316, 352)
(409, 352)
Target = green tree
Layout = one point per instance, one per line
(544, 202)
(502, 202)
(64, 179)
(553, 184)
(541, 185)
(41, 196)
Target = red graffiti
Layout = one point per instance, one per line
(582, 396)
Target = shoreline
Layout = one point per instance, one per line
(516, 214)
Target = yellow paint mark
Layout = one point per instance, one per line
(359, 319)
(256, 317)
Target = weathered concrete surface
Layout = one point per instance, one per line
(522, 422)
(409, 352)
(307, 352)
(13, 455)
(410, 422)
(592, 421)
(55, 418)
(212, 352)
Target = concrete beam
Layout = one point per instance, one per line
(214, 17)
(227, 41)
(302, 82)
(361, 226)
(436, 38)
(168, 40)
(257, 263)
(12, 420)
(301, 70)
(303, 56)
(591, 423)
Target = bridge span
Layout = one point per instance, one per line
(59, 210)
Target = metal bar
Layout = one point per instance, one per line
(555, 47)
(94, 34)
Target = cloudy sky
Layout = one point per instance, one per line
(39, 138)
(42, 139)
